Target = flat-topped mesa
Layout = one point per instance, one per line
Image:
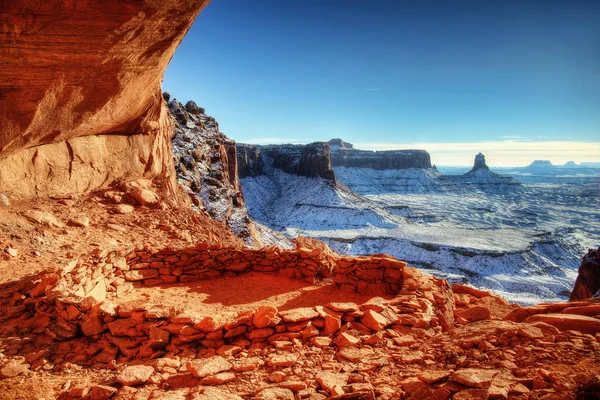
(343, 154)
(310, 160)
(335, 144)
(80, 98)
(539, 164)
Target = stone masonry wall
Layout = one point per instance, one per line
(72, 316)
(377, 275)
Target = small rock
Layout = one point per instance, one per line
(43, 218)
(277, 377)
(81, 221)
(13, 368)
(476, 313)
(101, 392)
(433, 376)
(474, 377)
(345, 339)
(145, 197)
(321, 341)
(283, 360)
(343, 307)
(134, 375)
(219, 379)
(248, 364)
(299, 314)
(275, 394)
(374, 321)
(355, 354)
(12, 252)
(213, 394)
(530, 332)
(123, 209)
(265, 316)
(333, 382)
(208, 366)
(294, 386)
(4, 200)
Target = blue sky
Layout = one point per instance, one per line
(393, 74)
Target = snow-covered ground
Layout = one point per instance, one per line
(523, 242)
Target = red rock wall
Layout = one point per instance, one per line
(71, 69)
(374, 275)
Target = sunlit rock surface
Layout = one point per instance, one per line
(80, 98)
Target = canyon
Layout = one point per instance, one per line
(130, 270)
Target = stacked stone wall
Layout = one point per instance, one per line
(75, 313)
(376, 275)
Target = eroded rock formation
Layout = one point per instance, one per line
(250, 162)
(587, 284)
(80, 99)
(479, 163)
(206, 165)
(311, 160)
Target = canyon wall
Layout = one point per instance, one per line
(310, 160)
(317, 159)
(80, 99)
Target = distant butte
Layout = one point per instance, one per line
(480, 163)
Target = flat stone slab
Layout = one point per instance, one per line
(208, 366)
(565, 322)
(474, 377)
(135, 375)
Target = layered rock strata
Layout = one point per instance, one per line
(343, 154)
(311, 160)
(80, 99)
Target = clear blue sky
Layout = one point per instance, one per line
(385, 72)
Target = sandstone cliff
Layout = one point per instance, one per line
(311, 160)
(250, 162)
(343, 154)
(80, 97)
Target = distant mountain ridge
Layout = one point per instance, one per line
(546, 164)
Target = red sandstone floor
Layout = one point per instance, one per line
(242, 293)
